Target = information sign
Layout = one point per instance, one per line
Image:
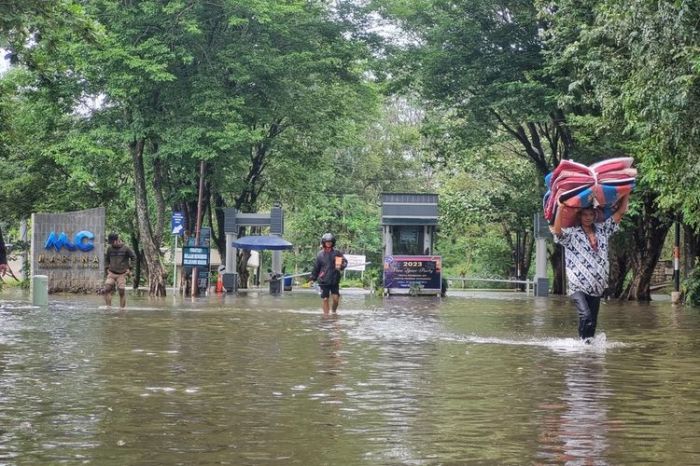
(195, 257)
(177, 224)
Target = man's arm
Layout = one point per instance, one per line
(315, 270)
(622, 206)
(132, 259)
(555, 228)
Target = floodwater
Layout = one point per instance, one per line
(258, 379)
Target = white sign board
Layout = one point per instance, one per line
(356, 262)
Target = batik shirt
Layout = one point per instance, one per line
(587, 269)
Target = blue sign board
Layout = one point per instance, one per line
(195, 257)
(177, 224)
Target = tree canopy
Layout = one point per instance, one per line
(313, 105)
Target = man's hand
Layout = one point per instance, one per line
(4, 268)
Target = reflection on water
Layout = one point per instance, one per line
(576, 429)
(258, 379)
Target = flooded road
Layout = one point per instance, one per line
(257, 379)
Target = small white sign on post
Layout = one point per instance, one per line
(254, 260)
(356, 262)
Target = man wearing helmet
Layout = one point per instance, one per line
(326, 271)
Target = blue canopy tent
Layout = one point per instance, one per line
(262, 242)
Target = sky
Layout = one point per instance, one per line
(4, 63)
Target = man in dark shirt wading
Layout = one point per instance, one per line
(326, 272)
(117, 266)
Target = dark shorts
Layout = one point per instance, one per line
(327, 290)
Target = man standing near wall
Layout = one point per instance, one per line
(118, 259)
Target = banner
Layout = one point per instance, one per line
(402, 272)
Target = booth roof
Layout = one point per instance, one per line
(261, 242)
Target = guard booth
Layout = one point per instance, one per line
(409, 223)
(233, 220)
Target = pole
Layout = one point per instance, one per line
(677, 258)
(23, 231)
(542, 282)
(200, 200)
(40, 290)
(676, 294)
(175, 265)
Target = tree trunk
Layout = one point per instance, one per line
(619, 265)
(139, 256)
(242, 261)
(648, 235)
(528, 251)
(556, 259)
(156, 280)
(522, 249)
(691, 250)
(218, 233)
(158, 177)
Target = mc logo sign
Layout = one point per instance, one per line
(82, 241)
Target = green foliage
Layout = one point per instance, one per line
(637, 63)
(341, 194)
(691, 287)
(281, 99)
(480, 251)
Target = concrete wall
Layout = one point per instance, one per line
(74, 271)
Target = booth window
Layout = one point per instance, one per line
(407, 240)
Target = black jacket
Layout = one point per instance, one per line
(324, 271)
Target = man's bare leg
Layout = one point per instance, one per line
(108, 295)
(122, 298)
(336, 301)
(326, 306)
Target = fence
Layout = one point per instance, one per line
(463, 280)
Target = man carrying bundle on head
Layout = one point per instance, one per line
(587, 264)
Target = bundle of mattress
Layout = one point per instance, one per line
(576, 185)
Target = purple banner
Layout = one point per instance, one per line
(404, 271)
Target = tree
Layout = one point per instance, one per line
(636, 63)
(341, 195)
(491, 191)
(480, 64)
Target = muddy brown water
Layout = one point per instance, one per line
(474, 378)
